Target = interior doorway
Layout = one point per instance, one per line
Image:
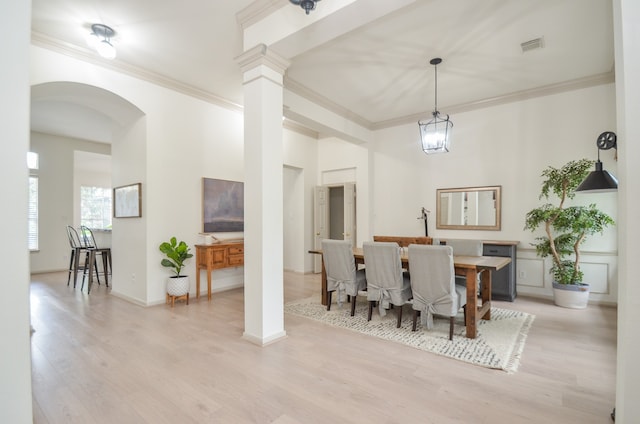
(334, 215)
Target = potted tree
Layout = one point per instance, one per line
(566, 228)
(176, 253)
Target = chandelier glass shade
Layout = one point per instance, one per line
(435, 135)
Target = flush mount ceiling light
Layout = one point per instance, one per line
(307, 5)
(435, 135)
(100, 39)
(600, 181)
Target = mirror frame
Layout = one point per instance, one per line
(496, 227)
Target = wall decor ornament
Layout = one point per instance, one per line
(222, 206)
(127, 201)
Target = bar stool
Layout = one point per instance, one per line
(77, 248)
(93, 249)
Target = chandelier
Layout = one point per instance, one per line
(435, 135)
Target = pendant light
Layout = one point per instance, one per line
(601, 181)
(435, 135)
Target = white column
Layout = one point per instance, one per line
(627, 63)
(15, 354)
(263, 72)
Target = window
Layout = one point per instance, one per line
(95, 207)
(32, 218)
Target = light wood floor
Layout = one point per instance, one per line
(99, 359)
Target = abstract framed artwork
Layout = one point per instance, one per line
(222, 206)
(127, 201)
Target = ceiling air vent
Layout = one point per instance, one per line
(536, 43)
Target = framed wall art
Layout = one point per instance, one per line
(222, 206)
(127, 201)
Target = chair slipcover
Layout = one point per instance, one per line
(340, 267)
(433, 283)
(466, 247)
(386, 283)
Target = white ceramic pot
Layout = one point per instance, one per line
(574, 296)
(178, 286)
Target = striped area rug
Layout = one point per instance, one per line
(499, 343)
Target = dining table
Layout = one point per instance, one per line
(478, 306)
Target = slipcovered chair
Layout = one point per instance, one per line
(342, 274)
(433, 285)
(386, 283)
(466, 247)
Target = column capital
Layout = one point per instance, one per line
(262, 55)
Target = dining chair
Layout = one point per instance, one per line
(387, 284)
(342, 274)
(433, 285)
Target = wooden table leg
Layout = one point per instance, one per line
(197, 282)
(485, 286)
(472, 302)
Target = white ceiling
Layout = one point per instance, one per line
(379, 72)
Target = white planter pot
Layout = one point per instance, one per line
(178, 286)
(574, 296)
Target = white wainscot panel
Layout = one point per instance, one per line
(530, 272)
(596, 275)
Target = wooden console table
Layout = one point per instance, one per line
(217, 256)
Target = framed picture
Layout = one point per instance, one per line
(222, 206)
(127, 201)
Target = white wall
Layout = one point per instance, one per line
(301, 161)
(507, 145)
(15, 354)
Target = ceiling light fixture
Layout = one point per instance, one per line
(307, 5)
(100, 39)
(600, 181)
(435, 135)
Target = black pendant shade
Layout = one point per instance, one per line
(599, 181)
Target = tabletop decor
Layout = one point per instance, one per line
(499, 343)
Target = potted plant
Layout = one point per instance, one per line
(566, 228)
(176, 253)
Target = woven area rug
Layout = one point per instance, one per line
(499, 343)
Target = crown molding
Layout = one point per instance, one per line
(547, 90)
(300, 129)
(89, 56)
(257, 11)
(324, 102)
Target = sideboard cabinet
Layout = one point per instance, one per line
(217, 256)
(503, 282)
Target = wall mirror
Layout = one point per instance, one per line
(468, 208)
